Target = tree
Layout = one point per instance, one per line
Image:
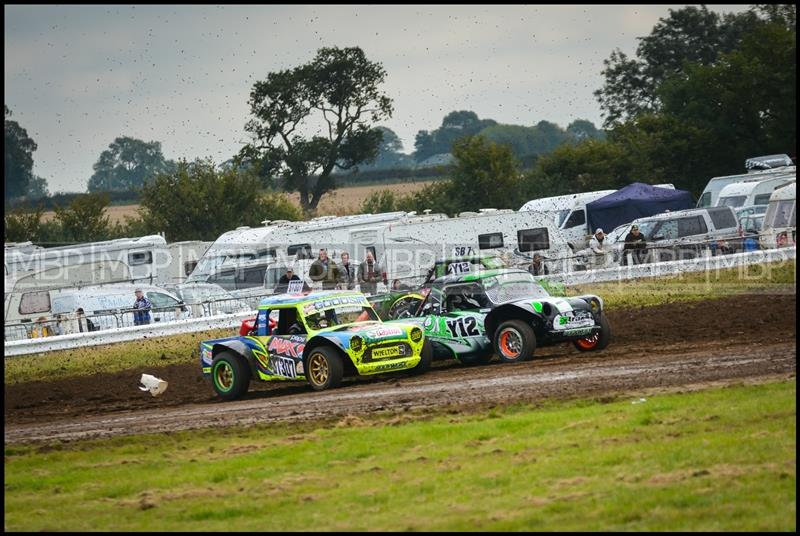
(84, 219)
(338, 89)
(583, 129)
(128, 164)
(687, 35)
(379, 202)
(37, 188)
(18, 166)
(390, 153)
(22, 225)
(199, 202)
(455, 125)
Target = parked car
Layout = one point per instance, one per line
(686, 234)
(470, 317)
(318, 337)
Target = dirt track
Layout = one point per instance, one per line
(656, 347)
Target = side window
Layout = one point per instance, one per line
(464, 297)
(140, 257)
(372, 250)
(491, 240)
(161, 300)
(705, 200)
(691, 226)
(433, 303)
(223, 279)
(289, 323)
(761, 199)
(303, 251)
(250, 278)
(188, 267)
(667, 230)
(578, 217)
(34, 302)
(533, 239)
(274, 275)
(722, 219)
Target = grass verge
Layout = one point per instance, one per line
(775, 278)
(719, 459)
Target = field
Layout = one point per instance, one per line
(717, 459)
(345, 200)
(687, 421)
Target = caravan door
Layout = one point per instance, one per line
(362, 241)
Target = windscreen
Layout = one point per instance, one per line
(339, 315)
(503, 288)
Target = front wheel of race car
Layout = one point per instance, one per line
(598, 341)
(324, 368)
(230, 375)
(514, 341)
(426, 358)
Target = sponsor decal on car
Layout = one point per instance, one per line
(380, 353)
(384, 332)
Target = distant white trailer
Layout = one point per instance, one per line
(780, 223)
(752, 192)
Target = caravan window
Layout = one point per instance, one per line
(140, 257)
(722, 218)
(264, 253)
(188, 266)
(761, 199)
(533, 239)
(576, 219)
(34, 302)
(705, 200)
(491, 240)
(251, 277)
(303, 251)
(732, 201)
(783, 216)
(691, 226)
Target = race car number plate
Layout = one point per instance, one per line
(379, 353)
(283, 367)
(578, 331)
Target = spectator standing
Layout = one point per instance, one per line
(142, 307)
(40, 328)
(537, 267)
(598, 247)
(325, 270)
(84, 323)
(347, 273)
(369, 273)
(636, 245)
(283, 282)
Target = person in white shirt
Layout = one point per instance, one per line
(599, 248)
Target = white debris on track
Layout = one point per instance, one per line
(156, 386)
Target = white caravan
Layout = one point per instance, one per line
(183, 259)
(752, 192)
(145, 257)
(779, 228)
(408, 248)
(284, 241)
(712, 190)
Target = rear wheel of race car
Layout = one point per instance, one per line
(598, 341)
(426, 358)
(230, 375)
(324, 368)
(515, 341)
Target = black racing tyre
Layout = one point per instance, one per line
(324, 368)
(598, 341)
(425, 360)
(230, 375)
(514, 341)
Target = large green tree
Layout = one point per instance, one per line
(316, 118)
(128, 164)
(199, 202)
(691, 35)
(455, 125)
(18, 163)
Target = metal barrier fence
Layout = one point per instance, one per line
(119, 325)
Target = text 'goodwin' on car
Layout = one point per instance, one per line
(469, 317)
(319, 337)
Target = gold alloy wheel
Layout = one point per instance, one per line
(224, 376)
(318, 368)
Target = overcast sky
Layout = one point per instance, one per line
(76, 77)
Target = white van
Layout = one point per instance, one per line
(712, 190)
(779, 227)
(107, 306)
(752, 192)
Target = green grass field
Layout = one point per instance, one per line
(719, 459)
(776, 277)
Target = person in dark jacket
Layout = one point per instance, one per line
(537, 267)
(325, 270)
(347, 273)
(369, 273)
(636, 245)
(283, 282)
